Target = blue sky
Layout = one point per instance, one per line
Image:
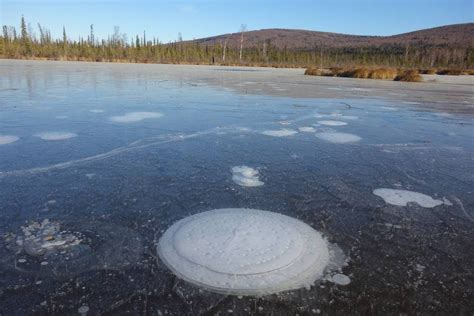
(195, 19)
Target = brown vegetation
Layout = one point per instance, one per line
(360, 72)
(411, 75)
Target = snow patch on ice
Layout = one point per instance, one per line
(332, 123)
(280, 132)
(135, 117)
(52, 136)
(96, 111)
(8, 139)
(246, 176)
(403, 197)
(338, 138)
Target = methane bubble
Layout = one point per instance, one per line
(244, 251)
(338, 138)
(246, 176)
(53, 136)
(135, 117)
(403, 197)
(8, 139)
(280, 132)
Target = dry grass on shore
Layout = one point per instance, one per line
(362, 73)
(411, 75)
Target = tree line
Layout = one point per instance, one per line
(27, 44)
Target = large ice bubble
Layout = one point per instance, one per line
(245, 251)
(246, 176)
(280, 132)
(54, 136)
(135, 117)
(338, 138)
(8, 139)
(403, 197)
(332, 123)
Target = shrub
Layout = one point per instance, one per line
(409, 76)
(451, 72)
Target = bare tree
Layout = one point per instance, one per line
(225, 47)
(243, 28)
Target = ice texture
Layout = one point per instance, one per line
(246, 176)
(8, 139)
(55, 135)
(332, 123)
(338, 138)
(135, 117)
(280, 133)
(403, 197)
(340, 279)
(244, 251)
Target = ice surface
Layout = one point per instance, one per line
(338, 138)
(135, 117)
(96, 111)
(55, 135)
(246, 176)
(280, 132)
(332, 123)
(402, 197)
(8, 139)
(307, 129)
(244, 251)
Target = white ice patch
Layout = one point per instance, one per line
(96, 111)
(246, 176)
(338, 138)
(135, 117)
(340, 279)
(307, 129)
(403, 197)
(61, 117)
(280, 132)
(55, 135)
(348, 117)
(332, 123)
(244, 251)
(8, 139)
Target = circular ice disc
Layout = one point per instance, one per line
(244, 251)
(239, 242)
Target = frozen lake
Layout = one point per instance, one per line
(111, 155)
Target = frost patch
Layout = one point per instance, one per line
(135, 117)
(403, 197)
(338, 138)
(332, 123)
(280, 133)
(8, 139)
(245, 251)
(246, 176)
(55, 135)
(307, 129)
(96, 111)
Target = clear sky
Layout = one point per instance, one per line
(202, 18)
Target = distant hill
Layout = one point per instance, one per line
(459, 35)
